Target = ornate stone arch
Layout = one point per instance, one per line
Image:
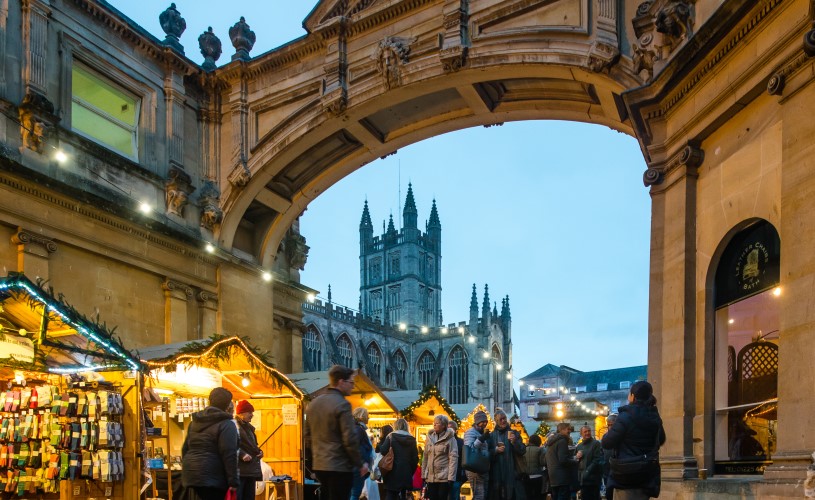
(458, 381)
(375, 360)
(313, 344)
(426, 368)
(345, 350)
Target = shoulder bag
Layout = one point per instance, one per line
(631, 471)
(386, 463)
(475, 460)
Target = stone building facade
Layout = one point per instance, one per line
(169, 205)
(398, 337)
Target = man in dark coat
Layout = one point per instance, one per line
(638, 431)
(210, 450)
(560, 463)
(606, 456)
(331, 439)
(590, 468)
(249, 454)
(507, 449)
(461, 476)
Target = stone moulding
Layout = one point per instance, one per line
(169, 285)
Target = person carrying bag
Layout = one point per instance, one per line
(476, 461)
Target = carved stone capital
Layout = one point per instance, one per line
(177, 190)
(169, 285)
(23, 237)
(602, 56)
(207, 299)
(453, 58)
(391, 54)
(335, 101)
(775, 85)
(809, 41)
(690, 157)
(240, 175)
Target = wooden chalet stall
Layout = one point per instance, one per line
(419, 408)
(180, 379)
(381, 410)
(70, 400)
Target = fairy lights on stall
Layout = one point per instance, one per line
(427, 393)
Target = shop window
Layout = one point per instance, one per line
(427, 365)
(459, 384)
(747, 321)
(375, 358)
(103, 112)
(530, 411)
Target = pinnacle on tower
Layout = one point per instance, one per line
(434, 222)
(474, 301)
(410, 214)
(494, 309)
(329, 292)
(365, 223)
(485, 307)
(509, 315)
(391, 227)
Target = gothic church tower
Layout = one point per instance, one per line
(400, 272)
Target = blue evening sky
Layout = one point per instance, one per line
(553, 214)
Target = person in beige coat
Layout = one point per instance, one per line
(440, 460)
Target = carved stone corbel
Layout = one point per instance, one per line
(294, 248)
(605, 51)
(335, 81)
(661, 26)
(391, 54)
(177, 190)
(208, 300)
(690, 157)
(453, 43)
(240, 175)
(37, 120)
(24, 237)
(209, 201)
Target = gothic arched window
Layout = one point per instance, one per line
(496, 379)
(375, 358)
(427, 365)
(312, 350)
(459, 383)
(400, 361)
(346, 350)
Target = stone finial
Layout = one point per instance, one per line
(173, 25)
(210, 47)
(243, 39)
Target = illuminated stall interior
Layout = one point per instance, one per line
(419, 408)
(64, 371)
(181, 377)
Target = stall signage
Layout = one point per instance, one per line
(16, 348)
(289, 414)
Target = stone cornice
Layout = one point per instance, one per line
(692, 64)
(110, 17)
(291, 53)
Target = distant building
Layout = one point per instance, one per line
(559, 393)
(397, 337)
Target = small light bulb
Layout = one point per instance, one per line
(471, 339)
(461, 330)
(731, 321)
(245, 381)
(532, 387)
(425, 329)
(267, 276)
(777, 291)
(402, 326)
(485, 355)
(500, 366)
(60, 156)
(509, 376)
(145, 208)
(444, 330)
(311, 298)
(210, 248)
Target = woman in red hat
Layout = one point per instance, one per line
(249, 454)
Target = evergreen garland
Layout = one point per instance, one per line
(427, 393)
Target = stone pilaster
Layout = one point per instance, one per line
(454, 43)
(176, 299)
(207, 314)
(672, 320)
(174, 107)
(239, 116)
(3, 31)
(35, 43)
(33, 253)
(335, 68)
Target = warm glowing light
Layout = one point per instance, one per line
(777, 291)
(521, 383)
(210, 248)
(311, 298)
(500, 366)
(461, 330)
(509, 376)
(402, 326)
(731, 321)
(60, 156)
(245, 381)
(531, 387)
(559, 406)
(573, 398)
(559, 414)
(485, 355)
(444, 330)
(425, 329)
(471, 339)
(145, 208)
(267, 276)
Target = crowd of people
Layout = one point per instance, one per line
(221, 458)
(496, 464)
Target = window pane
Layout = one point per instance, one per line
(102, 130)
(746, 383)
(103, 96)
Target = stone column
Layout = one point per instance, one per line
(174, 102)
(33, 252)
(207, 314)
(3, 49)
(176, 297)
(672, 319)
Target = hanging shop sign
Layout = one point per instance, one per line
(16, 348)
(750, 264)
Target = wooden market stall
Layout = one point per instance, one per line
(70, 400)
(419, 408)
(365, 393)
(180, 379)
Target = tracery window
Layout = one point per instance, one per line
(497, 376)
(312, 350)
(458, 380)
(346, 350)
(375, 358)
(427, 365)
(401, 363)
(747, 322)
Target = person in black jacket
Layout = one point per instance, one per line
(399, 481)
(638, 431)
(606, 456)
(249, 454)
(210, 451)
(366, 449)
(560, 462)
